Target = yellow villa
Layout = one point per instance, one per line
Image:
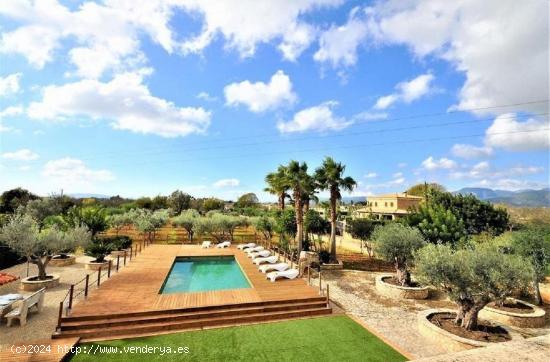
(390, 206)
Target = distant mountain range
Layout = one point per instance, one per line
(86, 196)
(526, 198)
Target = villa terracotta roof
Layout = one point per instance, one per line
(7, 278)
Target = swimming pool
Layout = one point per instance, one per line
(204, 273)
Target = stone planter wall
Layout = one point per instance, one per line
(452, 343)
(96, 266)
(34, 285)
(338, 266)
(62, 262)
(399, 292)
(545, 291)
(535, 319)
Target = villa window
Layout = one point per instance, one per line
(376, 204)
(385, 204)
(391, 204)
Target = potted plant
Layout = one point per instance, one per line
(98, 250)
(120, 245)
(22, 234)
(397, 243)
(472, 278)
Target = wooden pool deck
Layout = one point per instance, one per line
(136, 287)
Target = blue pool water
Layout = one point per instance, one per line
(199, 274)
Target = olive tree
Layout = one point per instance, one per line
(187, 220)
(362, 229)
(119, 221)
(397, 243)
(265, 225)
(533, 244)
(472, 277)
(22, 234)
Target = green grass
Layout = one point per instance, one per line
(334, 338)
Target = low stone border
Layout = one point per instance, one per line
(545, 291)
(399, 292)
(62, 261)
(535, 319)
(28, 285)
(338, 266)
(452, 342)
(95, 266)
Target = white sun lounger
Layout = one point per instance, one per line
(289, 274)
(268, 259)
(246, 246)
(259, 254)
(206, 244)
(254, 250)
(269, 267)
(225, 244)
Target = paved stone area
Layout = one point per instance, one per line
(39, 325)
(395, 320)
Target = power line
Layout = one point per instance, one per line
(365, 145)
(345, 134)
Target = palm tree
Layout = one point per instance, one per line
(277, 185)
(298, 180)
(330, 177)
(308, 196)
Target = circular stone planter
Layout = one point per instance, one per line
(29, 285)
(534, 319)
(337, 266)
(399, 292)
(452, 342)
(58, 262)
(95, 266)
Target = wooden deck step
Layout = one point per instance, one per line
(101, 331)
(168, 317)
(168, 312)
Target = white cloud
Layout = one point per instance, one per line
(510, 184)
(318, 118)
(227, 182)
(407, 91)
(484, 170)
(125, 101)
(338, 45)
(9, 84)
(259, 96)
(72, 174)
(20, 155)
(471, 151)
(24, 168)
(246, 23)
(369, 116)
(434, 164)
(508, 133)
(11, 111)
(486, 40)
(206, 97)
(371, 175)
(104, 36)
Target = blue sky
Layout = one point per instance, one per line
(135, 98)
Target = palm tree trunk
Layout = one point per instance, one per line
(332, 227)
(282, 201)
(299, 221)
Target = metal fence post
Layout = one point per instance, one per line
(71, 292)
(117, 262)
(320, 289)
(59, 316)
(86, 286)
(99, 276)
(109, 270)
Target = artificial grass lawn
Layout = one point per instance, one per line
(334, 338)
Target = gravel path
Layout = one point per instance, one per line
(354, 291)
(39, 325)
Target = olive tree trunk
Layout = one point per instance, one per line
(402, 274)
(467, 315)
(41, 264)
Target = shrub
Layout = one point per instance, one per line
(472, 277)
(362, 229)
(98, 250)
(397, 243)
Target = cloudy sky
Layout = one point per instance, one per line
(140, 97)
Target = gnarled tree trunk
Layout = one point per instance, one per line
(402, 274)
(41, 265)
(467, 315)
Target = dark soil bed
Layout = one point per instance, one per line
(513, 307)
(483, 333)
(393, 281)
(37, 279)
(365, 263)
(61, 256)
